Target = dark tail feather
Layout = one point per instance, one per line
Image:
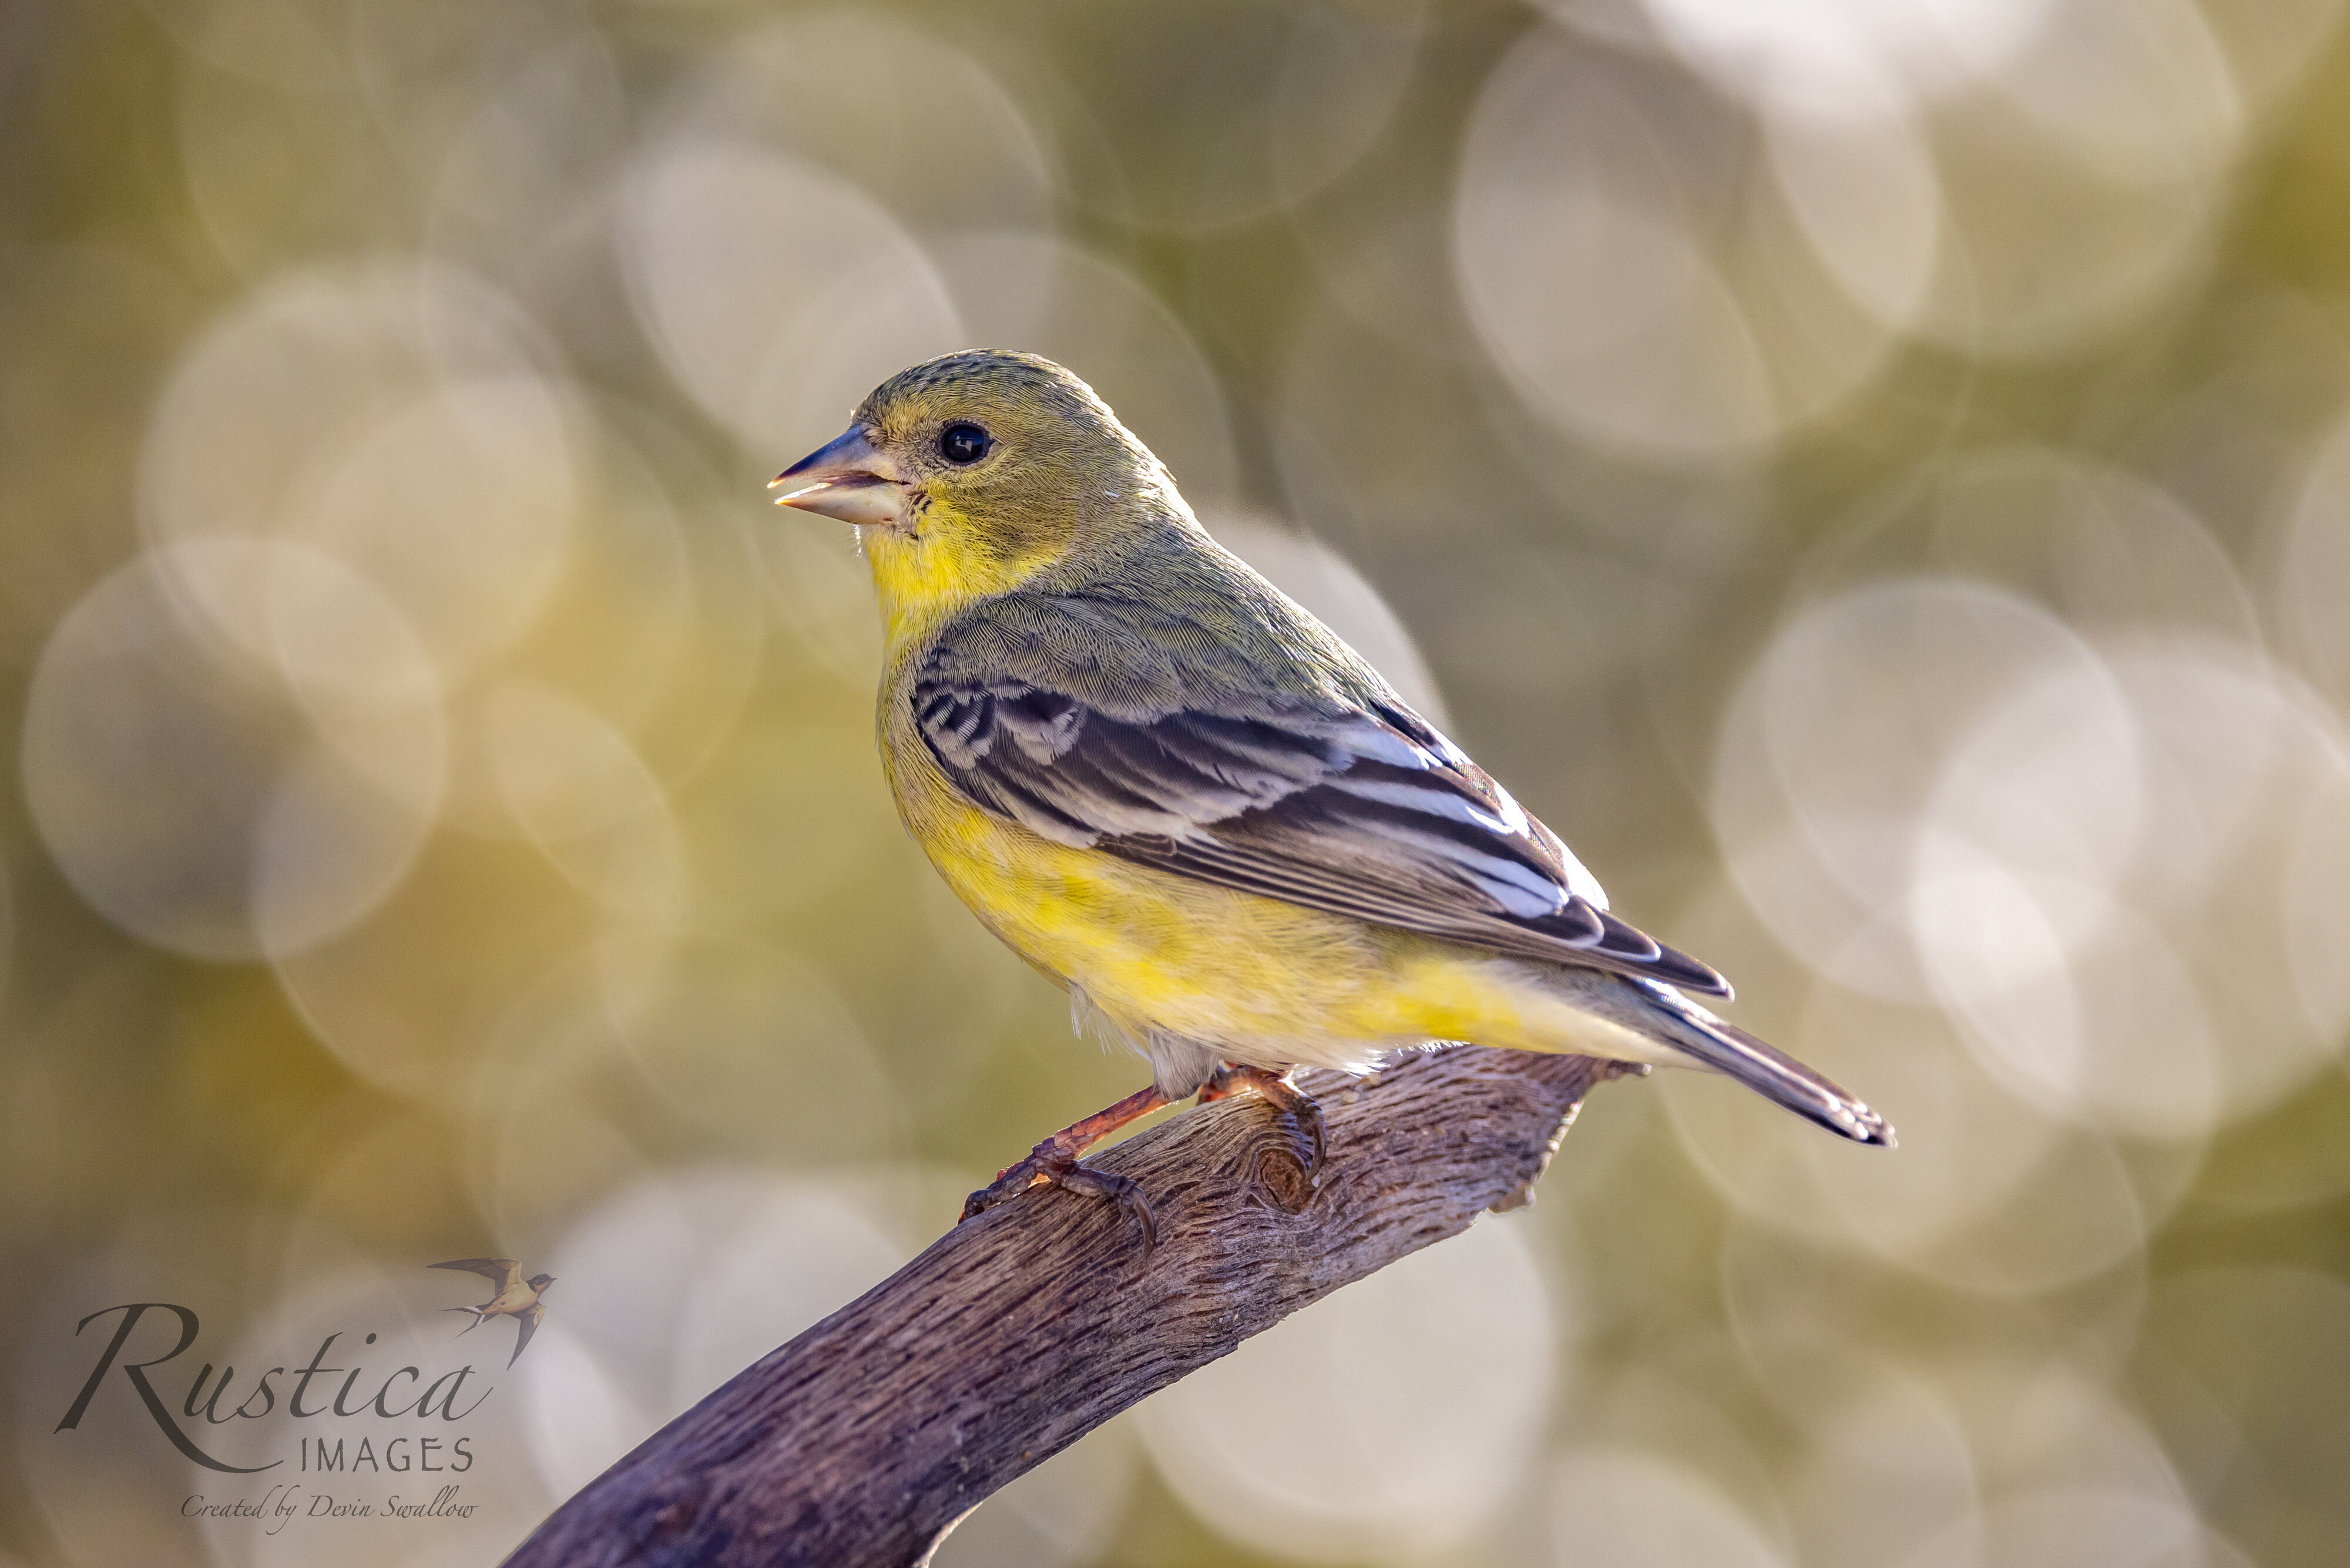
(1766, 1070)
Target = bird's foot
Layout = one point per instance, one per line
(1048, 1167)
(1229, 1080)
(1055, 1162)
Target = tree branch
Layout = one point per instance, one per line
(863, 1440)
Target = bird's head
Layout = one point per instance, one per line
(540, 1281)
(972, 473)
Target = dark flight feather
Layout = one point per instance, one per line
(1358, 807)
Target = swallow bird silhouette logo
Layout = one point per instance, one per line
(517, 1298)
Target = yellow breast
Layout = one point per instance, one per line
(1155, 950)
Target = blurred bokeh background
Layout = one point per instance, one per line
(1874, 473)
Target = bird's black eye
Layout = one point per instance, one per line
(962, 443)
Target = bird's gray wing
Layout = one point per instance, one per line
(505, 1273)
(1352, 804)
(529, 1321)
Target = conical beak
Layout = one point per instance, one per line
(847, 479)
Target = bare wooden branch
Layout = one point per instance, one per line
(862, 1441)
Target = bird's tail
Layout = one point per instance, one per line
(471, 1326)
(1762, 1068)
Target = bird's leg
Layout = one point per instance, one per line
(1231, 1080)
(1054, 1160)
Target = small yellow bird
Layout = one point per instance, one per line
(1183, 799)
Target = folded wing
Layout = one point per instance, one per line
(1361, 809)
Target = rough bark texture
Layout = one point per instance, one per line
(863, 1440)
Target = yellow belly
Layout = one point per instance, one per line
(1266, 983)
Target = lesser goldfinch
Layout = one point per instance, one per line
(1187, 802)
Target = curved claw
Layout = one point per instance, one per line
(1001, 1191)
(1055, 1160)
(1049, 1166)
(1286, 1096)
(1122, 1190)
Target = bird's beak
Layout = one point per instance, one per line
(847, 479)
